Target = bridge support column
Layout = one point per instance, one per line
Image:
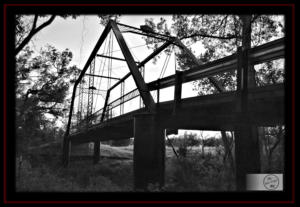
(96, 156)
(66, 152)
(247, 154)
(149, 152)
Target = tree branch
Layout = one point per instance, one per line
(221, 23)
(254, 18)
(33, 31)
(211, 36)
(34, 23)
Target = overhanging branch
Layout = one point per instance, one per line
(33, 31)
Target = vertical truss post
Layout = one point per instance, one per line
(80, 102)
(90, 93)
(157, 93)
(142, 71)
(78, 114)
(122, 98)
(137, 77)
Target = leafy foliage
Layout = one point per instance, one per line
(42, 84)
(272, 149)
(220, 36)
(197, 173)
(271, 72)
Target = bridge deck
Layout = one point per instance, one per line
(210, 112)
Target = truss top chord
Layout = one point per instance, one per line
(126, 28)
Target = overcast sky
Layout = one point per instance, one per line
(81, 34)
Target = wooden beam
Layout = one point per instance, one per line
(263, 53)
(266, 105)
(66, 151)
(149, 152)
(138, 79)
(96, 151)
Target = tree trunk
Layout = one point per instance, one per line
(228, 152)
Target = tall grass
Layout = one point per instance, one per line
(198, 173)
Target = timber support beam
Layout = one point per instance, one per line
(247, 157)
(149, 152)
(66, 151)
(96, 156)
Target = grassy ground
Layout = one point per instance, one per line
(41, 170)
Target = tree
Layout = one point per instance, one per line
(220, 35)
(27, 26)
(26, 29)
(202, 138)
(228, 142)
(271, 139)
(42, 84)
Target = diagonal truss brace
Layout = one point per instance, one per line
(215, 83)
(134, 70)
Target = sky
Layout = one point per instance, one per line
(80, 36)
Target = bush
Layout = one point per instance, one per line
(44, 179)
(197, 173)
(183, 143)
(212, 142)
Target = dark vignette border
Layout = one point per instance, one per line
(10, 196)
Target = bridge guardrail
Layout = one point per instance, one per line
(260, 54)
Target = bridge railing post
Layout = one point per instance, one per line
(158, 93)
(177, 90)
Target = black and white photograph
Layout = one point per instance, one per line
(154, 103)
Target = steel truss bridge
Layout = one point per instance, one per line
(241, 110)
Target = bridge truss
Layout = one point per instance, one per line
(100, 125)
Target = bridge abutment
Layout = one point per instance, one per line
(149, 152)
